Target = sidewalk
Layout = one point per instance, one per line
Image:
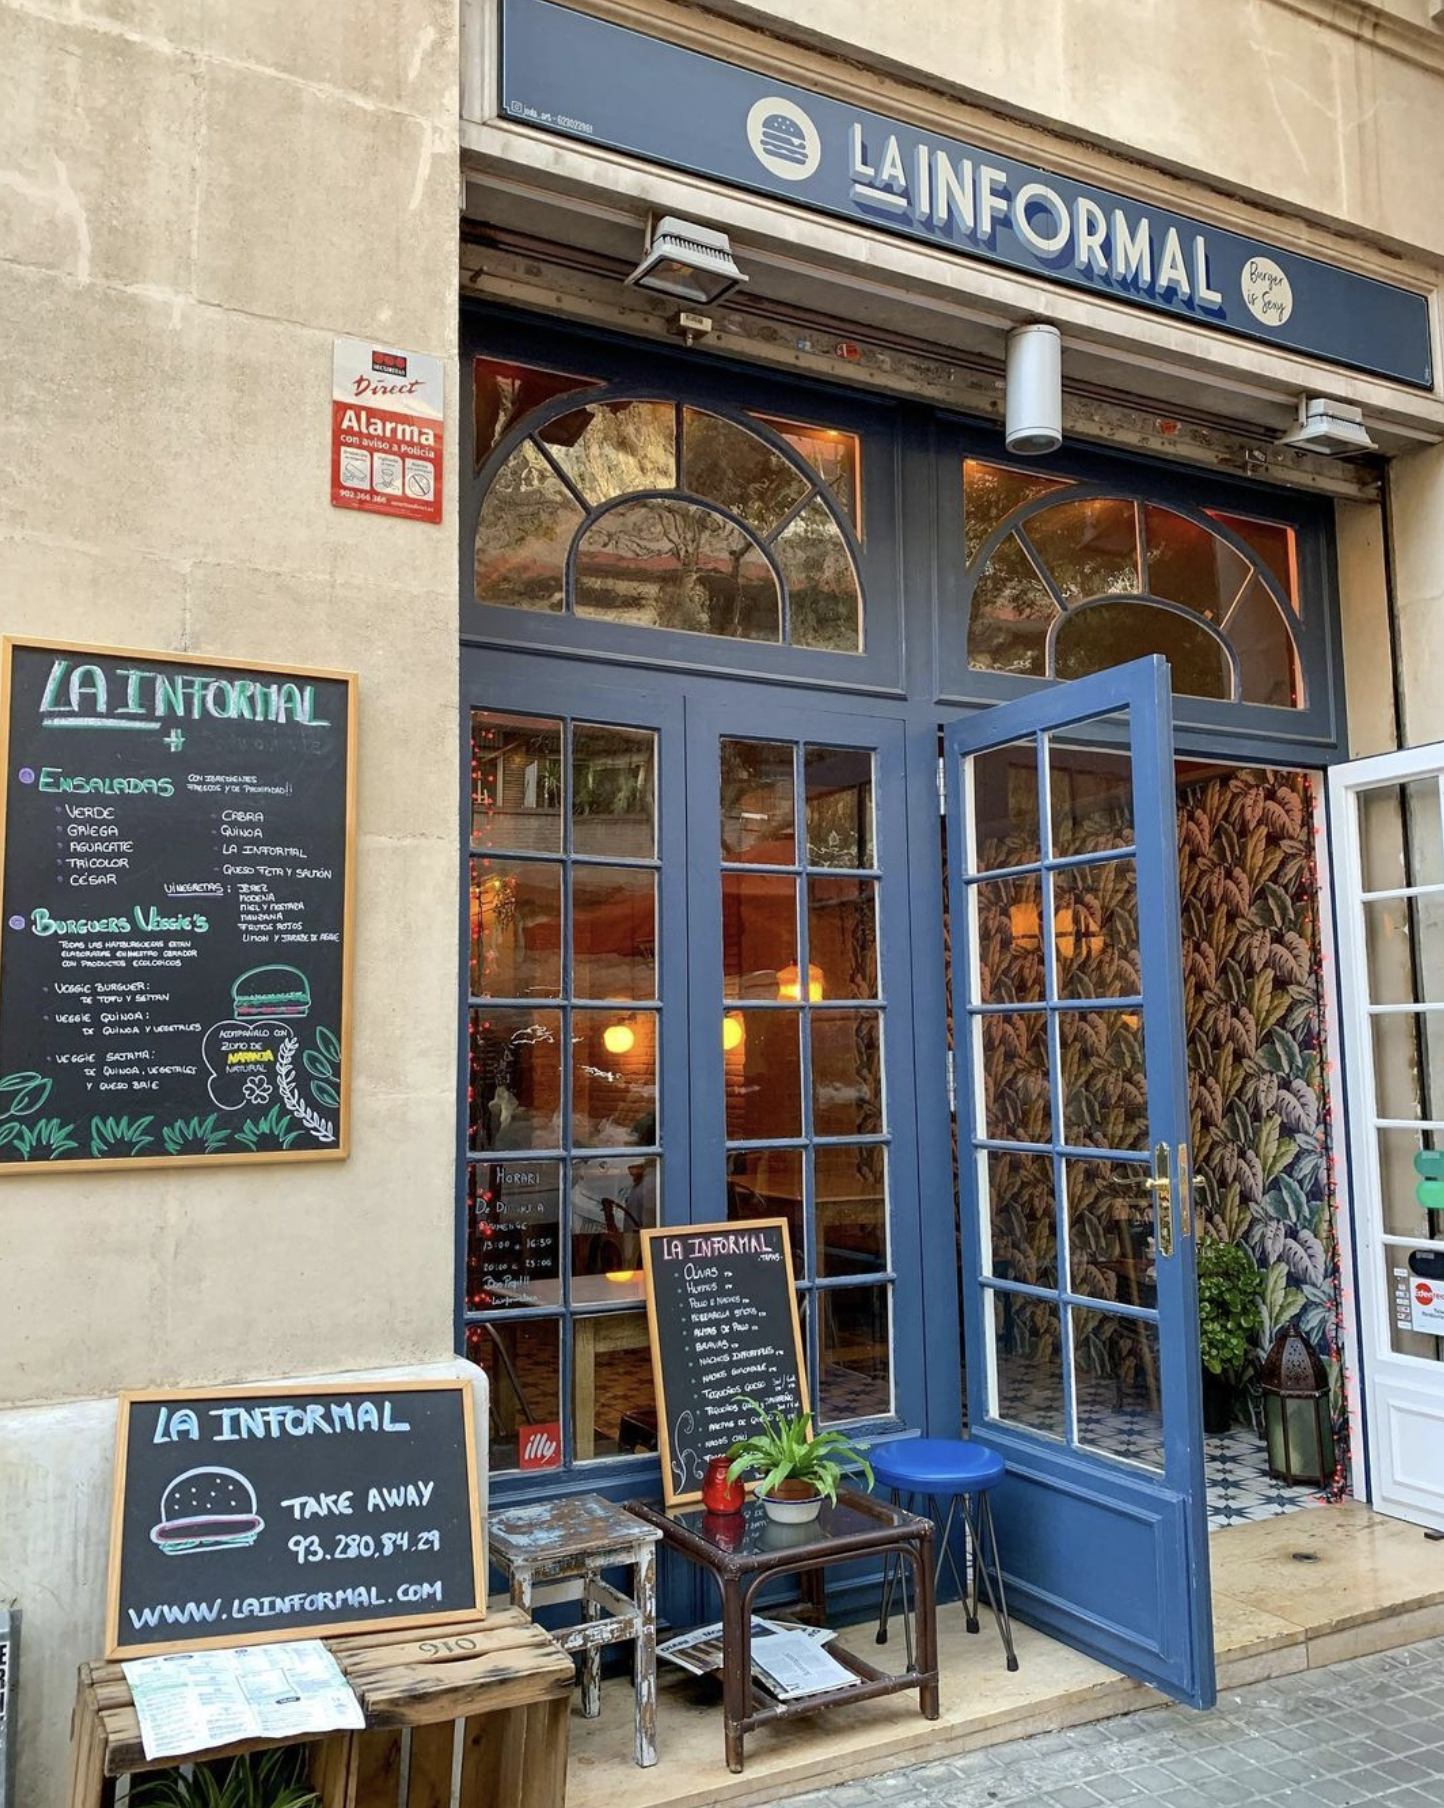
(1365, 1731)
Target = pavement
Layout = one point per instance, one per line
(1368, 1730)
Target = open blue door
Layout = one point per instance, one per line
(1079, 1293)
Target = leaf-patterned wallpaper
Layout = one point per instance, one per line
(1254, 1016)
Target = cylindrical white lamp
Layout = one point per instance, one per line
(1034, 412)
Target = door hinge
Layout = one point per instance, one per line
(942, 786)
(952, 1089)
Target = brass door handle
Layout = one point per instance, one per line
(1161, 1186)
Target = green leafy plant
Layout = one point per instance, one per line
(272, 1779)
(1228, 1306)
(275, 1126)
(194, 1136)
(116, 1136)
(786, 1450)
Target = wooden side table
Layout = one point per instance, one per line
(560, 1540)
(500, 1685)
(744, 1551)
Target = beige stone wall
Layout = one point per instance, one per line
(194, 200)
(1325, 106)
(1416, 494)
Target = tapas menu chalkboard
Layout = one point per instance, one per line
(176, 890)
(722, 1318)
(242, 1516)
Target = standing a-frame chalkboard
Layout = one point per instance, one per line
(176, 872)
(722, 1318)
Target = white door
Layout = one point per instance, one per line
(1388, 819)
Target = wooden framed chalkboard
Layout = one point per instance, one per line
(722, 1319)
(245, 1515)
(175, 909)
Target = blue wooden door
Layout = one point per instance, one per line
(1079, 1296)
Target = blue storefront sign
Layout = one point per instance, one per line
(605, 84)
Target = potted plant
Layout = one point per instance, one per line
(1228, 1321)
(267, 1779)
(798, 1470)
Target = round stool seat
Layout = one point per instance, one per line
(937, 1466)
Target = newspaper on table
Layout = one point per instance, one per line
(788, 1660)
(190, 1701)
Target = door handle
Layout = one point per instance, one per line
(1161, 1187)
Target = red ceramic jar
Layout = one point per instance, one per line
(718, 1494)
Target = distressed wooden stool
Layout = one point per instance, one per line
(554, 1541)
(500, 1686)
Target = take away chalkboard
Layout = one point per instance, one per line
(241, 1515)
(722, 1319)
(176, 876)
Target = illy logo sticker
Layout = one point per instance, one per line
(783, 139)
(540, 1446)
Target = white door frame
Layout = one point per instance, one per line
(1403, 1395)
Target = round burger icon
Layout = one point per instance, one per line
(207, 1510)
(783, 139)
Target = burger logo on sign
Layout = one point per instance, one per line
(207, 1510)
(783, 139)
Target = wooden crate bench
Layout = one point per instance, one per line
(500, 1685)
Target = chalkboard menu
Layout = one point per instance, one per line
(174, 929)
(722, 1317)
(243, 1515)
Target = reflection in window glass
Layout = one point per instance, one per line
(842, 935)
(503, 393)
(1116, 1382)
(527, 523)
(992, 492)
(516, 923)
(855, 1335)
(849, 1187)
(664, 564)
(614, 932)
(1189, 565)
(1028, 1352)
(516, 1079)
(516, 783)
(758, 802)
(763, 1077)
(1012, 611)
(839, 806)
(1100, 635)
(726, 464)
(759, 933)
(767, 1183)
(614, 1199)
(846, 1073)
(613, 792)
(824, 599)
(613, 448)
(834, 456)
(1276, 546)
(1088, 548)
(614, 1078)
(1023, 1217)
(1268, 663)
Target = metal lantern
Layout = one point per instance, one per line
(1297, 1421)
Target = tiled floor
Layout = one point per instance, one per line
(1240, 1487)
(1366, 1731)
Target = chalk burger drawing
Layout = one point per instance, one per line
(207, 1510)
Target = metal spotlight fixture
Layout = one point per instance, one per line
(1332, 429)
(1034, 403)
(689, 262)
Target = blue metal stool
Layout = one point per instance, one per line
(963, 1471)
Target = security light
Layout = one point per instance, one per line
(691, 262)
(1034, 398)
(1333, 429)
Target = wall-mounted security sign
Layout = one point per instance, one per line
(386, 431)
(606, 84)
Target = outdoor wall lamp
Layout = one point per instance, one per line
(688, 262)
(1033, 410)
(1332, 429)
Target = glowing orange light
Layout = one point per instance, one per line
(618, 1038)
(789, 983)
(734, 1031)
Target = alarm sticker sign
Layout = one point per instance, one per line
(386, 431)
